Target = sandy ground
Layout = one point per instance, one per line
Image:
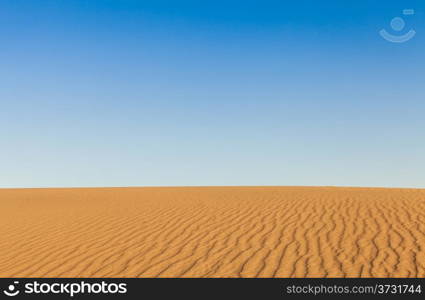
(212, 232)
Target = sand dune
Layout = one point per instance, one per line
(212, 232)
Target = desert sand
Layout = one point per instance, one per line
(212, 232)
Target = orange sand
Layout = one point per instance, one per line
(212, 232)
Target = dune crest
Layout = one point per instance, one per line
(212, 232)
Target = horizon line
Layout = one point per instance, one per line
(210, 186)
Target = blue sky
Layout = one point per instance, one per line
(160, 93)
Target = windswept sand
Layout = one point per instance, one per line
(212, 232)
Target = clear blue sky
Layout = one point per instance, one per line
(148, 93)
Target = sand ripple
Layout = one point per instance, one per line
(212, 232)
